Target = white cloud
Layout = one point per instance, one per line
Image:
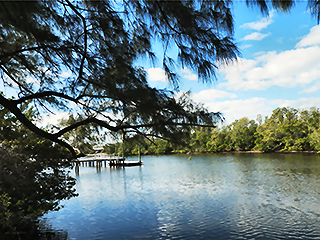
(66, 74)
(236, 109)
(188, 74)
(297, 67)
(246, 46)
(259, 25)
(260, 53)
(30, 79)
(256, 36)
(157, 74)
(311, 39)
(48, 73)
(311, 89)
(301, 103)
(52, 119)
(211, 95)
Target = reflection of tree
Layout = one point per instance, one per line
(38, 230)
(46, 231)
(279, 176)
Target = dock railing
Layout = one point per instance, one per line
(100, 159)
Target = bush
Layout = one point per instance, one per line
(27, 193)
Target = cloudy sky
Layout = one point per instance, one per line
(279, 66)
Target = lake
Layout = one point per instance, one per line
(214, 196)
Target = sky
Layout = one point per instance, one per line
(279, 66)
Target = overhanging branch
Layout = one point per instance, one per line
(14, 53)
(12, 107)
(122, 127)
(85, 32)
(42, 95)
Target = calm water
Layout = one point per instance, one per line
(220, 196)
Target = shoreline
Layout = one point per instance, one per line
(224, 152)
(235, 152)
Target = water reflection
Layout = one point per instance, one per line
(77, 170)
(221, 196)
(39, 230)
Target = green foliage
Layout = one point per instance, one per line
(83, 57)
(242, 134)
(198, 139)
(33, 179)
(284, 130)
(83, 137)
(27, 193)
(219, 141)
(287, 129)
(312, 119)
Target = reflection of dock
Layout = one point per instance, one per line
(99, 160)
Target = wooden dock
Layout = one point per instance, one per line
(125, 163)
(99, 160)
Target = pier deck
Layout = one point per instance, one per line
(113, 161)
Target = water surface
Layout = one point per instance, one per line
(216, 196)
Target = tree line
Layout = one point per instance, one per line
(82, 57)
(287, 129)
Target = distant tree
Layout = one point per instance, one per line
(283, 130)
(220, 140)
(243, 134)
(312, 120)
(199, 138)
(287, 129)
(82, 138)
(111, 148)
(83, 57)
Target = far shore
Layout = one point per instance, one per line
(196, 153)
(241, 152)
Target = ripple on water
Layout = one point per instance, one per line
(209, 197)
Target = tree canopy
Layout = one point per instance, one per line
(287, 129)
(83, 57)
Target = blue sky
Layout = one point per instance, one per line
(279, 66)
